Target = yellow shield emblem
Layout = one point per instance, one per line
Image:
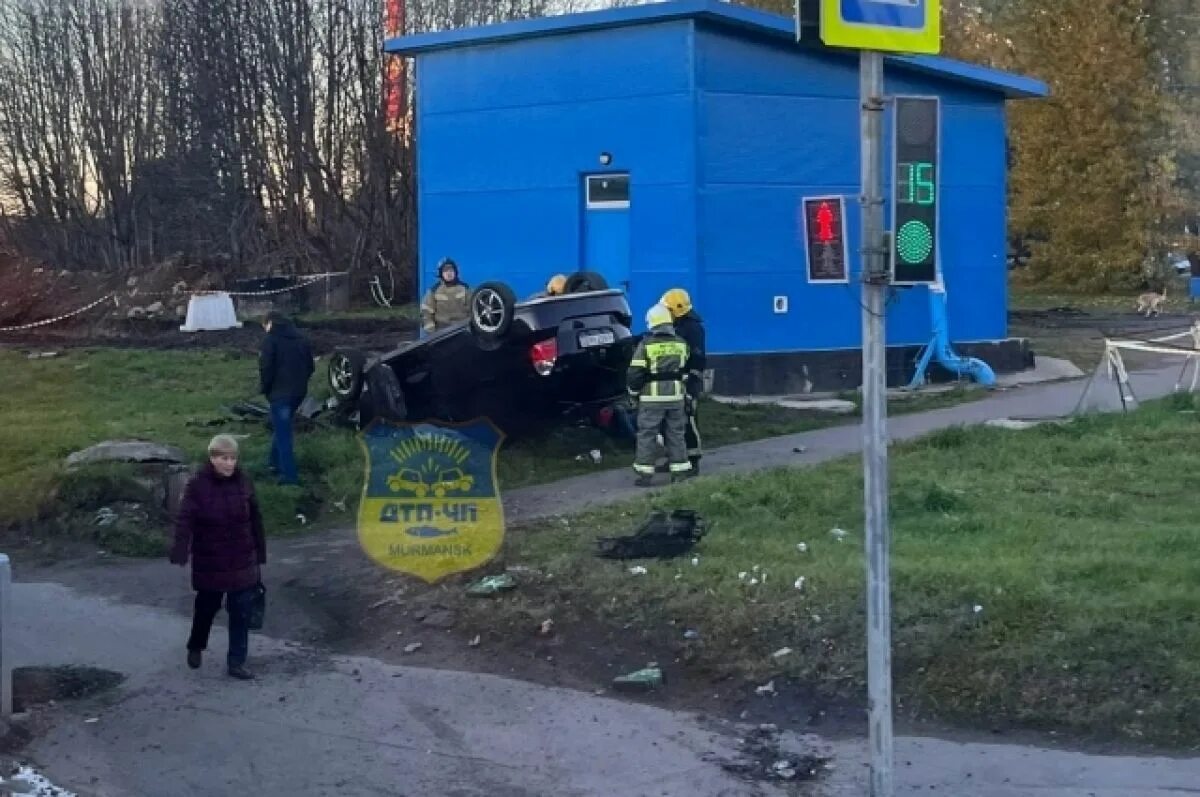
(431, 506)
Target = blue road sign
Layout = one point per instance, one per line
(912, 26)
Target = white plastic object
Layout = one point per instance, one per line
(210, 311)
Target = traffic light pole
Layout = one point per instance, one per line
(875, 453)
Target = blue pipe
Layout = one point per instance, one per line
(940, 346)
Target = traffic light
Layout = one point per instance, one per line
(823, 219)
(915, 190)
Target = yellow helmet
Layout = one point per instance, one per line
(678, 302)
(556, 285)
(657, 316)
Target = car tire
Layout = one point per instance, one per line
(346, 374)
(385, 395)
(492, 308)
(582, 281)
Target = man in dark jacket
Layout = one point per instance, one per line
(690, 326)
(285, 364)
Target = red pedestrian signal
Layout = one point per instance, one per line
(823, 223)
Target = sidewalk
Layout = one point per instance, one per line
(1042, 401)
(324, 726)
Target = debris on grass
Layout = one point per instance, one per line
(644, 680)
(839, 534)
(695, 561)
(766, 690)
(781, 653)
(492, 585)
(638, 570)
(546, 628)
(799, 584)
(802, 547)
(660, 535)
(474, 643)
(691, 634)
(105, 516)
(413, 647)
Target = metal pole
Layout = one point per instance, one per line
(875, 453)
(6, 691)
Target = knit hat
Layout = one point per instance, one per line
(223, 444)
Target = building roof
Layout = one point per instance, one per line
(748, 21)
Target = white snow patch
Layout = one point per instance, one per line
(28, 782)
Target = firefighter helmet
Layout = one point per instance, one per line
(658, 316)
(678, 302)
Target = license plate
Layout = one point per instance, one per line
(590, 340)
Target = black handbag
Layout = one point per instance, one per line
(258, 607)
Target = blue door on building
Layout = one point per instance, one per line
(606, 227)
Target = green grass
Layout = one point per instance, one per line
(1034, 297)
(56, 406)
(407, 312)
(1079, 545)
(53, 407)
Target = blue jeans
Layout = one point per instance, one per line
(237, 605)
(283, 458)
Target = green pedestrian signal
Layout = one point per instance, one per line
(915, 190)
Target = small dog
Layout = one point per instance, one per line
(1151, 303)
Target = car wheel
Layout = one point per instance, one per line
(385, 395)
(492, 305)
(346, 373)
(582, 281)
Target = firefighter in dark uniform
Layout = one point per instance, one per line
(656, 376)
(690, 326)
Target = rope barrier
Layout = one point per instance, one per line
(309, 279)
(63, 317)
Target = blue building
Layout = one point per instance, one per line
(670, 145)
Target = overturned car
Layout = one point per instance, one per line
(523, 364)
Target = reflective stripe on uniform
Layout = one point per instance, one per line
(661, 400)
(644, 470)
(698, 449)
(680, 467)
(664, 357)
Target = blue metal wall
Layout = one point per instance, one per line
(507, 132)
(776, 124)
(722, 135)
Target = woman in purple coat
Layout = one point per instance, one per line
(220, 527)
